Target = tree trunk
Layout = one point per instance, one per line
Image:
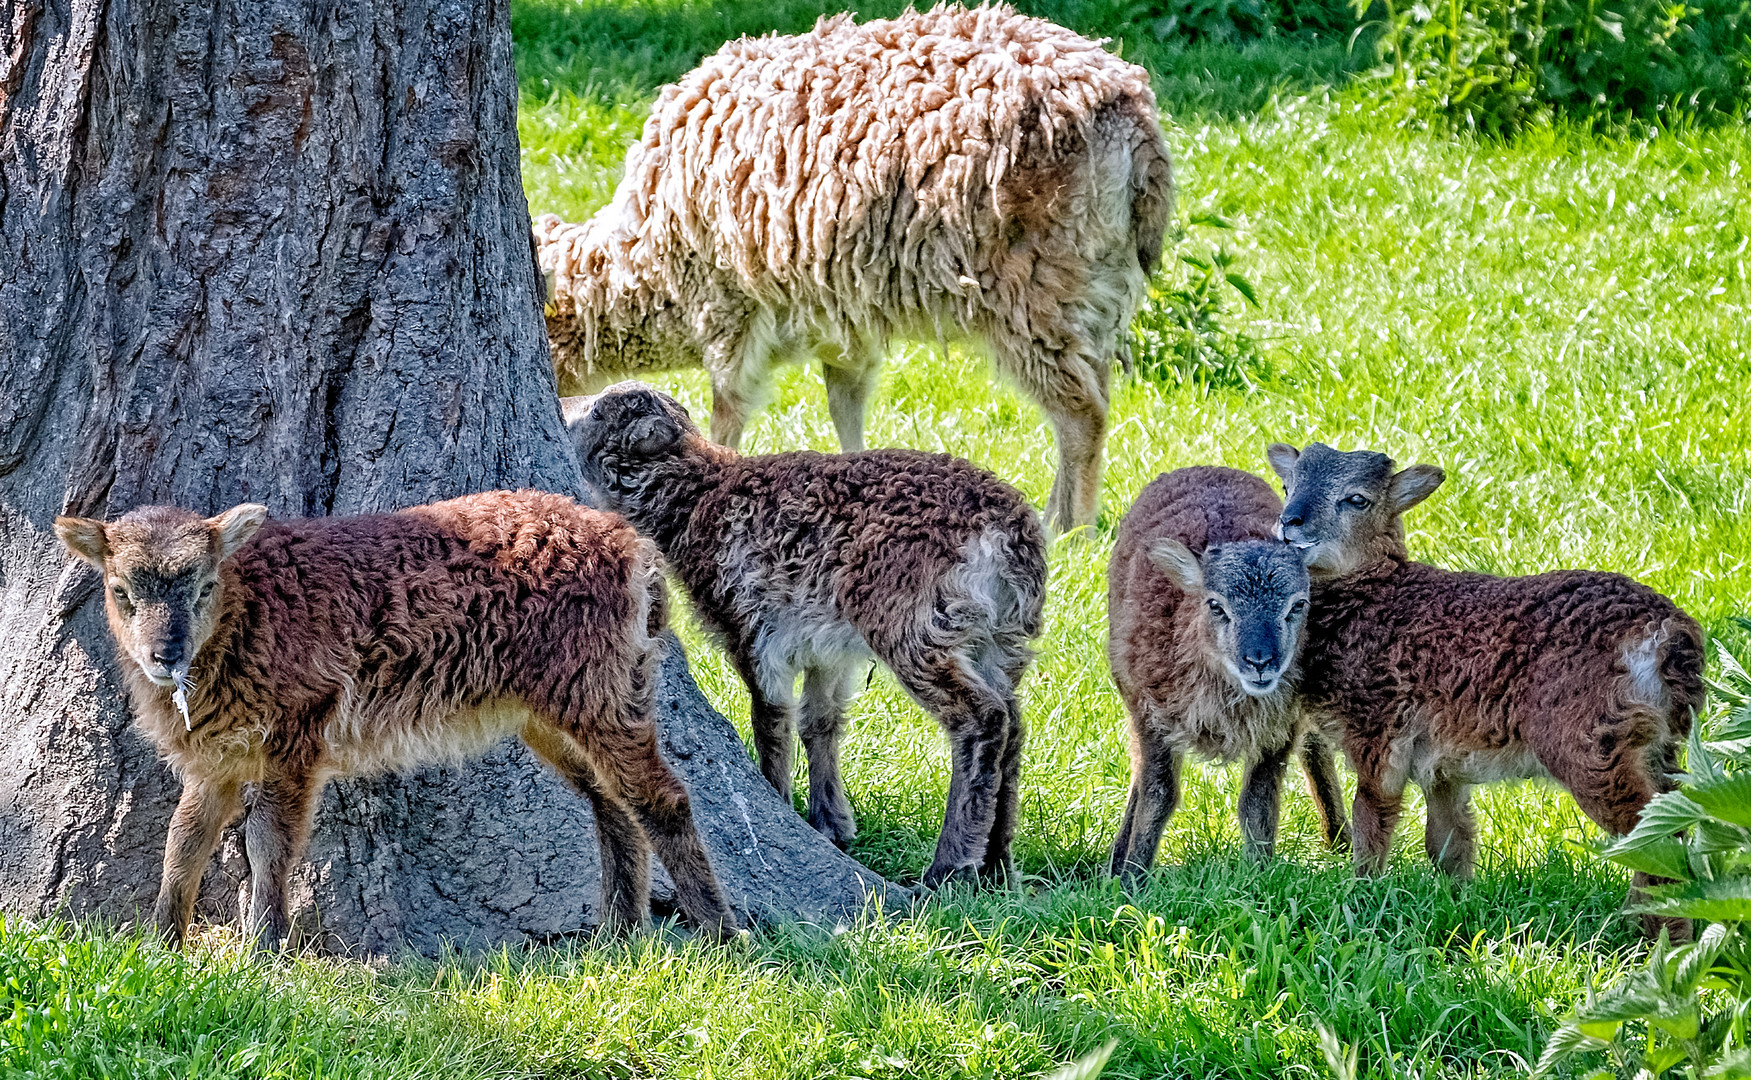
(279, 252)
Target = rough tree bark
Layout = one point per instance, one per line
(279, 252)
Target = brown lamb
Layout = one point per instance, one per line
(264, 657)
(814, 564)
(1448, 679)
(1205, 613)
(954, 173)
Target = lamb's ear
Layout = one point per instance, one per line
(85, 538)
(1282, 457)
(232, 529)
(1176, 561)
(574, 409)
(1411, 486)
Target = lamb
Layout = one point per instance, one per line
(1205, 614)
(264, 657)
(815, 563)
(1450, 679)
(958, 173)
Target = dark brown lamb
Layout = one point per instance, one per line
(1205, 613)
(814, 564)
(264, 657)
(1447, 679)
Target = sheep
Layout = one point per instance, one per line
(1205, 611)
(1449, 679)
(264, 657)
(974, 174)
(815, 563)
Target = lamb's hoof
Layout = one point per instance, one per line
(938, 877)
(839, 832)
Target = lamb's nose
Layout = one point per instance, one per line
(1260, 662)
(168, 654)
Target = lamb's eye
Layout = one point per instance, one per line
(1216, 609)
(1297, 607)
(206, 590)
(121, 594)
(1359, 501)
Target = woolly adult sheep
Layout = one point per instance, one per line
(813, 564)
(264, 657)
(1447, 679)
(1205, 612)
(955, 173)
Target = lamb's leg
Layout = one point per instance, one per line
(202, 813)
(1326, 788)
(1612, 789)
(274, 836)
(1376, 811)
(1155, 791)
(772, 715)
(1261, 800)
(625, 851)
(623, 752)
(977, 722)
(999, 865)
(849, 379)
(825, 692)
(1450, 835)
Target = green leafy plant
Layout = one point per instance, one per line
(1688, 1011)
(1497, 65)
(1183, 333)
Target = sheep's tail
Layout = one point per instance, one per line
(1152, 189)
(1681, 659)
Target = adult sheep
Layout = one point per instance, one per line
(965, 173)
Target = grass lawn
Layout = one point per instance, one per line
(1563, 322)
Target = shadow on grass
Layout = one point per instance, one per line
(616, 50)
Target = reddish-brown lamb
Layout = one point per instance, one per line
(326, 647)
(1449, 679)
(1205, 611)
(816, 563)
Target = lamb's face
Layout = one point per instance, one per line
(620, 435)
(1252, 597)
(1341, 510)
(160, 568)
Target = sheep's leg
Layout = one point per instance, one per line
(1450, 835)
(849, 384)
(1080, 423)
(202, 813)
(825, 692)
(977, 721)
(1376, 813)
(1613, 789)
(999, 865)
(772, 714)
(631, 770)
(274, 836)
(1155, 792)
(1326, 788)
(625, 851)
(1261, 800)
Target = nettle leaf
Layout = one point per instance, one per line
(1665, 815)
(1711, 837)
(1735, 1066)
(1567, 1041)
(1725, 797)
(1695, 960)
(1718, 900)
(1683, 1022)
(1662, 1057)
(1667, 857)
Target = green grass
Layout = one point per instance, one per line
(1563, 322)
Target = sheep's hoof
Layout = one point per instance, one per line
(938, 877)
